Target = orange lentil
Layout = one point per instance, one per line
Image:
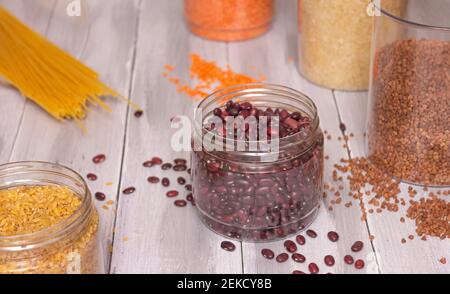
(209, 77)
(229, 20)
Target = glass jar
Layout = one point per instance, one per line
(259, 195)
(409, 109)
(335, 41)
(70, 246)
(229, 20)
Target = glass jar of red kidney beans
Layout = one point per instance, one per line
(257, 193)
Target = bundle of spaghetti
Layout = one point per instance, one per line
(46, 74)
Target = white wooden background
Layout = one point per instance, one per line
(128, 42)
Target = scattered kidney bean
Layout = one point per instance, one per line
(297, 257)
(267, 253)
(358, 246)
(283, 257)
(311, 234)
(180, 161)
(92, 177)
(100, 196)
(99, 158)
(179, 168)
(165, 182)
(333, 236)
(228, 246)
(166, 166)
(188, 187)
(148, 164)
(290, 246)
(190, 197)
(180, 203)
(172, 194)
(298, 273)
(348, 259)
(129, 190)
(138, 113)
(181, 181)
(300, 240)
(157, 161)
(359, 264)
(313, 268)
(153, 180)
(329, 260)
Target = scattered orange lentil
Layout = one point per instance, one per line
(226, 20)
(209, 78)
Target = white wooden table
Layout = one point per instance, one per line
(128, 42)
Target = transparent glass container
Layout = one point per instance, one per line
(69, 247)
(229, 20)
(259, 195)
(409, 109)
(335, 41)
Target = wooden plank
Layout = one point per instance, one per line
(37, 15)
(103, 38)
(160, 237)
(276, 58)
(416, 256)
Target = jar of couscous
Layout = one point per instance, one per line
(48, 223)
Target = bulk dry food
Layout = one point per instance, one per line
(35, 210)
(229, 20)
(409, 131)
(208, 77)
(260, 201)
(335, 41)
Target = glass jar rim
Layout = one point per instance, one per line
(56, 232)
(409, 22)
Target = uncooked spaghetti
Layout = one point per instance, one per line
(47, 75)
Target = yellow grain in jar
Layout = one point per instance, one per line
(335, 39)
(48, 224)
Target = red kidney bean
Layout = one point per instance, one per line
(181, 181)
(190, 197)
(228, 246)
(333, 236)
(153, 180)
(92, 177)
(283, 257)
(148, 164)
(267, 253)
(129, 190)
(313, 268)
(297, 257)
(343, 127)
(179, 168)
(298, 273)
(188, 187)
(180, 203)
(189, 171)
(165, 182)
(100, 196)
(358, 246)
(166, 166)
(99, 158)
(180, 161)
(138, 113)
(157, 161)
(359, 264)
(172, 194)
(348, 259)
(329, 260)
(300, 240)
(290, 246)
(311, 234)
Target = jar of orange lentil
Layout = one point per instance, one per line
(48, 223)
(229, 20)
